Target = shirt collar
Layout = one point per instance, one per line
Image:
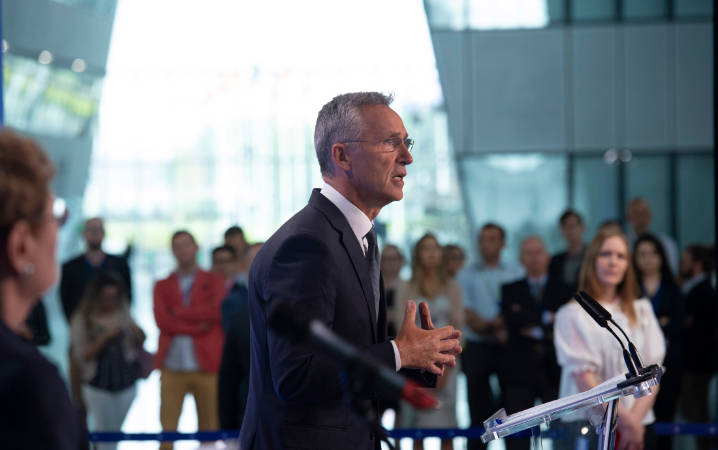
(358, 221)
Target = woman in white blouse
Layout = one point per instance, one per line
(589, 355)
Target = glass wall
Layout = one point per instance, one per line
(526, 193)
(515, 14)
(45, 99)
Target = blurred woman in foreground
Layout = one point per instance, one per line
(35, 408)
(589, 355)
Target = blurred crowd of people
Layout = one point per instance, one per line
(523, 331)
(203, 321)
(521, 327)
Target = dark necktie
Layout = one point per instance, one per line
(372, 259)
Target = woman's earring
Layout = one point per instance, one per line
(28, 269)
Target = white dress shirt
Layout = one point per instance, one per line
(360, 225)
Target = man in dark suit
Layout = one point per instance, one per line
(700, 325)
(564, 267)
(528, 368)
(324, 262)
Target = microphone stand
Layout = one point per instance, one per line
(353, 385)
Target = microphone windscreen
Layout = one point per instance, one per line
(588, 307)
(597, 306)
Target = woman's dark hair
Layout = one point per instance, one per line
(666, 274)
(101, 280)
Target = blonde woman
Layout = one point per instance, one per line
(589, 355)
(430, 283)
(105, 343)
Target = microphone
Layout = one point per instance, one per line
(601, 316)
(631, 348)
(295, 324)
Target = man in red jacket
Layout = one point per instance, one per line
(187, 312)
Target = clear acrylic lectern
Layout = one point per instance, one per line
(607, 394)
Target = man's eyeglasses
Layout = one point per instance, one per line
(391, 145)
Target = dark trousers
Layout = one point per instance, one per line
(479, 361)
(528, 371)
(694, 401)
(667, 398)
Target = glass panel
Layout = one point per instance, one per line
(41, 98)
(696, 199)
(593, 9)
(104, 7)
(694, 8)
(556, 10)
(645, 9)
(595, 185)
(446, 14)
(649, 177)
(490, 14)
(524, 193)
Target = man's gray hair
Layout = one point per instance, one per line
(340, 120)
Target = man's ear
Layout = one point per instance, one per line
(19, 242)
(341, 157)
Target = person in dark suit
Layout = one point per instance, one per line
(79, 271)
(324, 262)
(528, 367)
(564, 267)
(35, 408)
(655, 279)
(233, 381)
(700, 324)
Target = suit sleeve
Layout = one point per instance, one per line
(301, 275)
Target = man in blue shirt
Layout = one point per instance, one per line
(481, 288)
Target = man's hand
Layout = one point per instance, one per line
(427, 324)
(428, 348)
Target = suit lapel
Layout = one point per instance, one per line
(351, 246)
